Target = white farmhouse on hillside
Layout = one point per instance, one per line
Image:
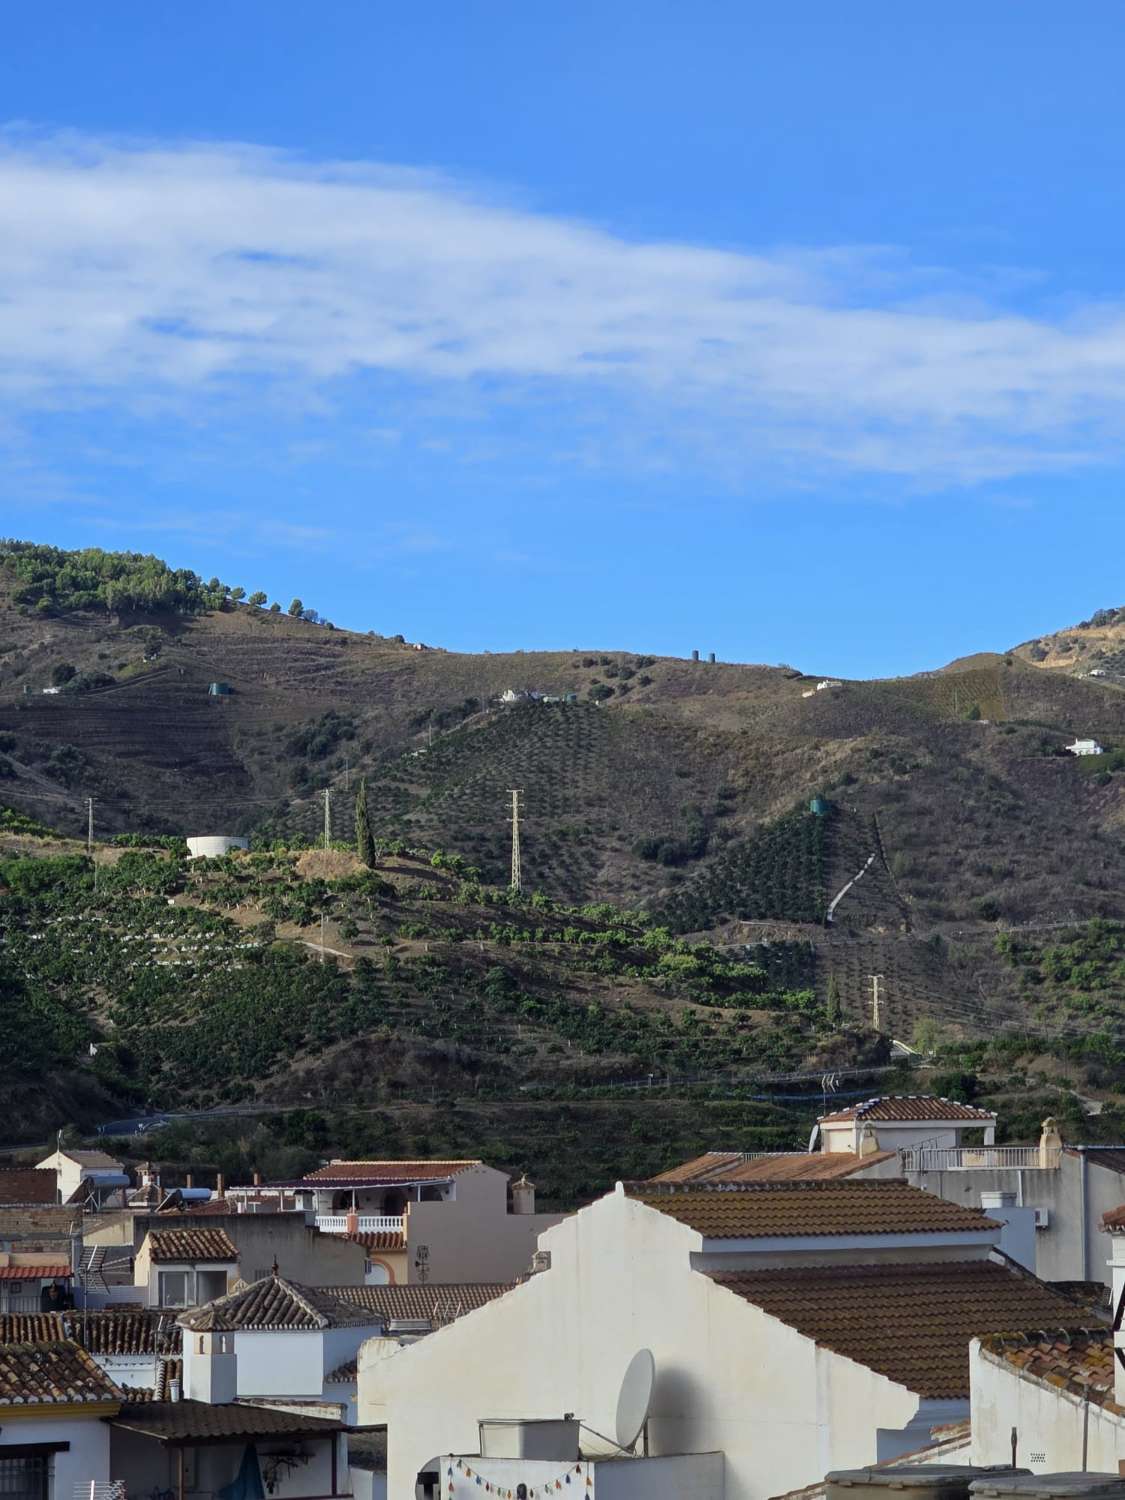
(1085, 747)
(797, 1327)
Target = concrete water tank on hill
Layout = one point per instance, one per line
(214, 845)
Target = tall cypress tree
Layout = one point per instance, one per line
(364, 842)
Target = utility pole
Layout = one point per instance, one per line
(327, 817)
(517, 881)
(877, 982)
(89, 825)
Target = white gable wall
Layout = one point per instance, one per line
(1048, 1422)
(729, 1378)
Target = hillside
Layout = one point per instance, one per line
(651, 788)
(307, 981)
(1094, 647)
(948, 818)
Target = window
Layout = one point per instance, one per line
(212, 1284)
(25, 1478)
(174, 1288)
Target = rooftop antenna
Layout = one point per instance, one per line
(635, 1399)
(517, 879)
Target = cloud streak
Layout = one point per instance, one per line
(143, 274)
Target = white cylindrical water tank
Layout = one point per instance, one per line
(213, 846)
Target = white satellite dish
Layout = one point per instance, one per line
(635, 1398)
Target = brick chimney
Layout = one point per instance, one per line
(257, 1179)
(220, 1186)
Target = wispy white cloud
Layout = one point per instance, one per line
(154, 276)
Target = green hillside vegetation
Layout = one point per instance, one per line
(681, 886)
(192, 980)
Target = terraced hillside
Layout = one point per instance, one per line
(300, 980)
(674, 786)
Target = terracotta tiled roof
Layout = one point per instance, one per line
(56, 1270)
(344, 1374)
(771, 1166)
(51, 1373)
(383, 1239)
(106, 1331)
(26, 1185)
(179, 1422)
(911, 1322)
(97, 1161)
(167, 1371)
(1071, 1361)
(124, 1331)
(909, 1107)
(757, 1210)
(275, 1302)
(1114, 1220)
(191, 1244)
(32, 1328)
(433, 1302)
(378, 1173)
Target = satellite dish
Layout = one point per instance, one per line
(635, 1398)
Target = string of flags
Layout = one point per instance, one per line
(573, 1481)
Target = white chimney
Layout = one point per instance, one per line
(523, 1196)
(1050, 1144)
(210, 1367)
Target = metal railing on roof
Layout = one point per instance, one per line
(971, 1158)
(365, 1223)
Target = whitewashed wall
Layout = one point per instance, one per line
(730, 1379)
(1048, 1422)
(87, 1457)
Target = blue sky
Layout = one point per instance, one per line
(795, 333)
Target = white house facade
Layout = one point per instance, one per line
(789, 1328)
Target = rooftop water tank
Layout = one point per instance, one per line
(554, 1438)
(912, 1481)
(1075, 1485)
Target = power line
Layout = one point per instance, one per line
(517, 878)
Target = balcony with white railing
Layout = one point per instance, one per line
(363, 1223)
(974, 1158)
